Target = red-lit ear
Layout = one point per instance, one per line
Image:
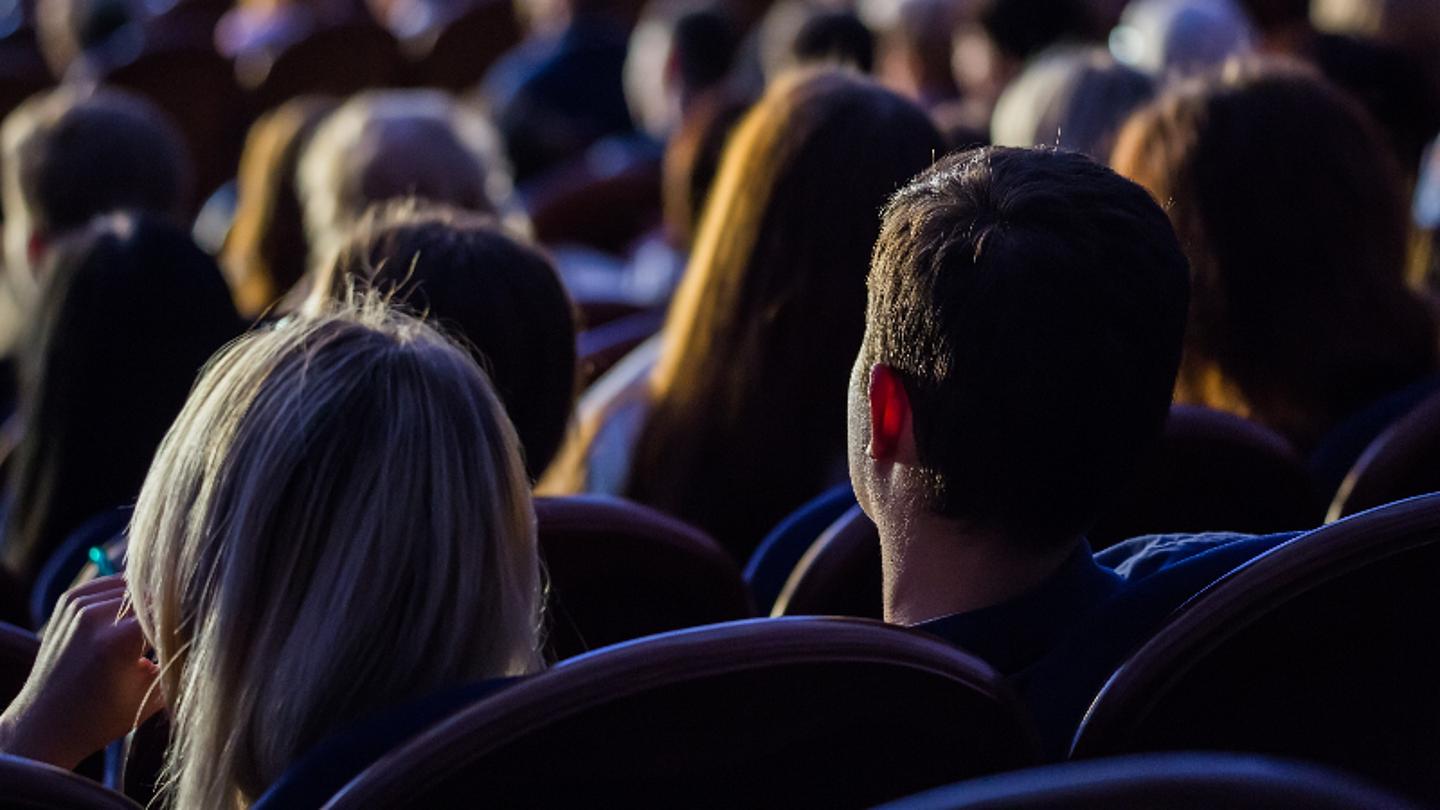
(889, 414)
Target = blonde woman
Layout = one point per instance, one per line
(337, 523)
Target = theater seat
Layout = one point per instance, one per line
(1213, 471)
(28, 785)
(1188, 781)
(839, 575)
(761, 713)
(461, 52)
(336, 61)
(1322, 649)
(1401, 462)
(603, 346)
(618, 570)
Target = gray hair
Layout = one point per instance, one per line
(386, 144)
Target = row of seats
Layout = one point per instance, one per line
(1318, 650)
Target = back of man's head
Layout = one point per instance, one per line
(71, 155)
(392, 144)
(1033, 305)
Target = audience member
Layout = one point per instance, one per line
(265, 251)
(129, 312)
(355, 458)
(384, 145)
(1390, 81)
(1071, 98)
(993, 44)
(1170, 38)
(1292, 213)
(739, 422)
(835, 38)
(1025, 321)
(679, 52)
(914, 54)
(69, 155)
(500, 297)
(562, 89)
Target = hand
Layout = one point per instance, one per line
(89, 680)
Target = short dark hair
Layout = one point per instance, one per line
(77, 156)
(500, 296)
(1033, 302)
(838, 37)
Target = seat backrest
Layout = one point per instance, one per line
(601, 347)
(196, 87)
(1321, 649)
(618, 570)
(1198, 780)
(465, 48)
(1403, 461)
(1210, 472)
(31, 785)
(839, 574)
(1213, 471)
(69, 558)
(759, 713)
(338, 61)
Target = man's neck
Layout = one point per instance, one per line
(934, 567)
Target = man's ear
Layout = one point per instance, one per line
(891, 438)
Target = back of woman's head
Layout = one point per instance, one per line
(1292, 213)
(266, 250)
(760, 337)
(501, 296)
(337, 522)
(130, 311)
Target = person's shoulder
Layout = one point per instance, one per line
(1146, 556)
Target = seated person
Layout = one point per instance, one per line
(355, 458)
(741, 419)
(69, 155)
(130, 312)
(386, 144)
(1292, 213)
(1024, 328)
(500, 296)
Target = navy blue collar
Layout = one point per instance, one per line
(1013, 635)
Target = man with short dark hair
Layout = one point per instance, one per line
(1026, 315)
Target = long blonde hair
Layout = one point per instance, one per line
(338, 521)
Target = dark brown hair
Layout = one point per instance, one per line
(499, 296)
(1291, 211)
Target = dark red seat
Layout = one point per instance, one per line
(1322, 649)
(839, 575)
(31, 785)
(196, 87)
(762, 713)
(463, 50)
(1212, 471)
(23, 72)
(618, 570)
(1401, 462)
(336, 61)
(1171, 781)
